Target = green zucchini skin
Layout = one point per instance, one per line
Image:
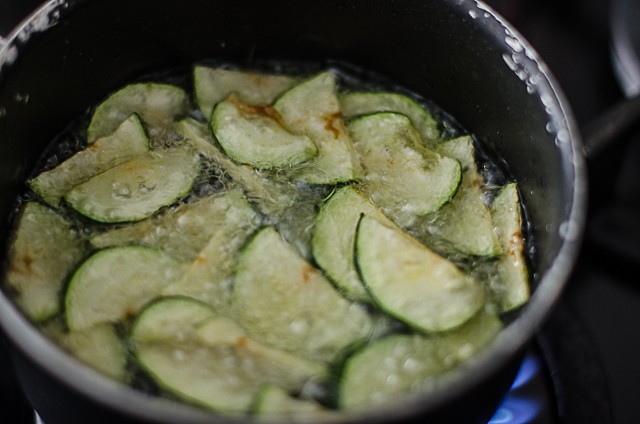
(126, 142)
(99, 346)
(208, 277)
(411, 282)
(138, 188)
(400, 364)
(252, 135)
(290, 250)
(157, 104)
(465, 223)
(212, 85)
(312, 108)
(271, 197)
(392, 155)
(96, 294)
(216, 364)
(271, 402)
(182, 231)
(355, 104)
(334, 237)
(44, 252)
(513, 288)
(284, 301)
(412, 360)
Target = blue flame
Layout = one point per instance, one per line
(528, 370)
(516, 409)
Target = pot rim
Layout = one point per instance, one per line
(512, 339)
(625, 49)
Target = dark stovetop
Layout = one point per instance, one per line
(13, 408)
(595, 325)
(574, 38)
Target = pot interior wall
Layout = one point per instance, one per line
(449, 56)
(455, 56)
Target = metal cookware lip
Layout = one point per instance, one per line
(625, 45)
(512, 339)
(42, 18)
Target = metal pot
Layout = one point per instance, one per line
(459, 54)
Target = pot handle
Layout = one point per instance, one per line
(610, 126)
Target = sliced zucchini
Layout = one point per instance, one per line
(165, 345)
(199, 136)
(274, 366)
(388, 368)
(128, 141)
(465, 222)
(212, 85)
(401, 364)
(270, 196)
(513, 288)
(334, 237)
(462, 343)
(252, 135)
(99, 347)
(157, 104)
(403, 178)
(220, 329)
(279, 199)
(208, 278)
(183, 231)
(364, 103)
(196, 374)
(411, 282)
(296, 224)
(44, 252)
(312, 108)
(170, 320)
(97, 294)
(285, 302)
(137, 188)
(273, 402)
(208, 359)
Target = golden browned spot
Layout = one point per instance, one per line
(135, 166)
(476, 182)
(513, 246)
(333, 124)
(256, 110)
(129, 313)
(200, 260)
(93, 146)
(27, 261)
(307, 271)
(242, 342)
(258, 80)
(23, 264)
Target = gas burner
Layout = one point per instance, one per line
(561, 380)
(530, 399)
